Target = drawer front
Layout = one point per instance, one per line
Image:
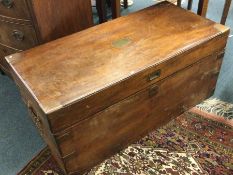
(4, 51)
(93, 140)
(68, 116)
(21, 37)
(15, 9)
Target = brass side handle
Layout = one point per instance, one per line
(7, 3)
(36, 120)
(154, 75)
(18, 35)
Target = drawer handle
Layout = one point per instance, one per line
(18, 35)
(154, 75)
(153, 90)
(7, 3)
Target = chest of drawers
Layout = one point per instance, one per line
(91, 95)
(27, 23)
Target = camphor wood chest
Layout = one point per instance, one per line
(94, 92)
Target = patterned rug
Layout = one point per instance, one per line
(198, 142)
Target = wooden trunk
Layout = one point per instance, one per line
(94, 92)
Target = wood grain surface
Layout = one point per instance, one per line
(78, 66)
(111, 130)
(71, 16)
